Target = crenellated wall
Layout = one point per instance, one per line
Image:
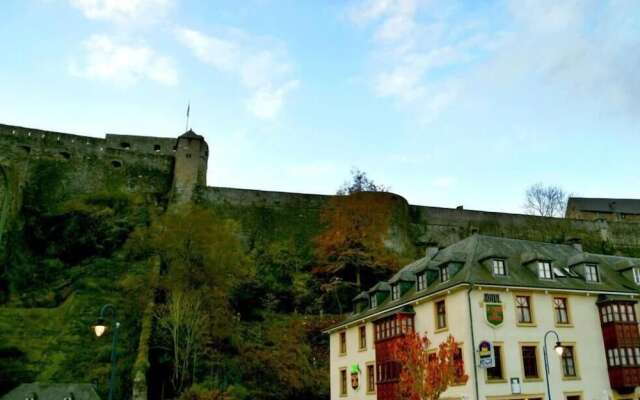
(41, 168)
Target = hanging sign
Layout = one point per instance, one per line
(493, 311)
(486, 355)
(355, 372)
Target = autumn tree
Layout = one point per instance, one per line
(426, 375)
(203, 259)
(546, 201)
(351, 249)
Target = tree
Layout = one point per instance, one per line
(546, 201)
(353, 242)
(425, 375)
(183, 319)
(360, 182)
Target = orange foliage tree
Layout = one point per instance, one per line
(426, 375)
(352, 245)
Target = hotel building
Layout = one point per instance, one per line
(508, 294)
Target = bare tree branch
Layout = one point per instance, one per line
(546, 201)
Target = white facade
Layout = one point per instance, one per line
(583, 332)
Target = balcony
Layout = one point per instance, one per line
(624, 378)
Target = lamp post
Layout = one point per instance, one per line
(559, 349)
(99, 329)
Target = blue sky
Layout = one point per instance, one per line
(448, 103)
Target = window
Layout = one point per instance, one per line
(569, 362)
(499, 268)
(560, 308)
(343, 382)
(444, 274)
(523, 309)
(395, 292)
(591, 273)
(530, 362)
(574, 397)
(441, 315)
(374, 301)
(544, 270)
(188, 155)
(343, 342)
(459, 365)
(363, 337)
(371, 379)
(636, 275)
(421, 282)
(496, 373)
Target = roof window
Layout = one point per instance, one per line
(591, 273)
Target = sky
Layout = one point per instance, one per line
(446, 102)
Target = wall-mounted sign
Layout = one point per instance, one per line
(355, 378)
(486, 355)
(515, 386)
(493, 311)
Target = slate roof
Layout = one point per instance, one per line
(51, 391)
(190, 134)
(474, 251)
(623, 206)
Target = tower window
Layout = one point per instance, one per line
(125, 145)
(188, 155)
(156, 148)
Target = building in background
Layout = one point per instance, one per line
(607, 209)
(498, 297)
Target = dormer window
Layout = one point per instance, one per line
(374, 301)
(395, 292)
(444, 273)
(499, 267)
(636, 275)
(591, 273)
(544, 270)
(421, 281)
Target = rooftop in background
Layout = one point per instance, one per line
(596, 208)
(76, 391)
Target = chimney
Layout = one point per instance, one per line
(432, 250)
(576, 243)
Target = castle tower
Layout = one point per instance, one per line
(190, 168)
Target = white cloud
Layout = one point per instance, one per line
(260, 65)
(427, 55)
(122, 10)
(109, 60)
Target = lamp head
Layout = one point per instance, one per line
(559, 349)
(100, 327)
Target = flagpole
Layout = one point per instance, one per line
(188, 110)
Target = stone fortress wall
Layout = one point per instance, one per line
(57, 165)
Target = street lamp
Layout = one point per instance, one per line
(559, 350)
(99, 328)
